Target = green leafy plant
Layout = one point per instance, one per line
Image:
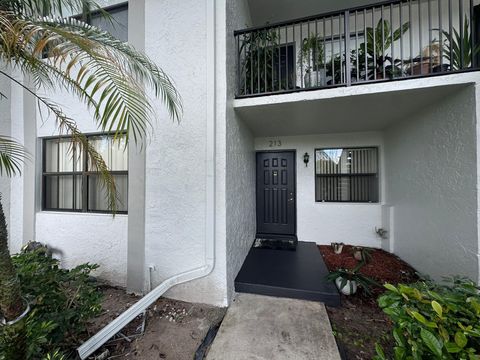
(375, 49)
(62, 303)
(348, 276)
(363, 254)
(434, 321)
(115, 81)
(260, 52)
(311, 56)
(457, 49)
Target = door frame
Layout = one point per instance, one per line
(294, 151)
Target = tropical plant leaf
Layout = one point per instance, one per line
(380, 352)
(108, 74)
(457, 47)
(12, 156)
(460, 339)
(432, 342)
(452, 348)
(437, 308)
(68, 126)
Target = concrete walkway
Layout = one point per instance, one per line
(266, 328)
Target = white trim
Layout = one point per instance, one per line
(355, 90)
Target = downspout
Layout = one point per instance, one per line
(100, 338)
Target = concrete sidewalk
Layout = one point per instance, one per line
(268, 328)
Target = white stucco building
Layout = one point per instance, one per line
(394, 144)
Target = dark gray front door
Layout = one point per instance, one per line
(276, 193)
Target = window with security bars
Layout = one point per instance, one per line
(70, 183)
(346, 175)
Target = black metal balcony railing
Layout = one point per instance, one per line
(386, 41)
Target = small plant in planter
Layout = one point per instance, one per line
(337, 247)
(363, 254)
(348, 281)
(311, 60)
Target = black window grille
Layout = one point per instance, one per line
(70, 183)
(346, 175)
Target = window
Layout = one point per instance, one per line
(346, 175)
(70, 183)
(116, 25)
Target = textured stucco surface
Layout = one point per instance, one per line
(240, 159)
(432, 186)
(431, 199)
(324, 223)
(12, 189)
(176, 156)
(94, 238)
(5, 129)
(453, 79)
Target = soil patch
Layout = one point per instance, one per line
(359, 323)
(170, 329)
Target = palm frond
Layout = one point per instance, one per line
(136, 63)
(12, 156)
(68, 126)
(110, 75)
(49, 7)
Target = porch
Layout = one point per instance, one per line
(342, 47)
(299, 274)
(424, 132)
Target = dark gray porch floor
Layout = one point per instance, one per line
(296, 274)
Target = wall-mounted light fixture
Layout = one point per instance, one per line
(306, 159)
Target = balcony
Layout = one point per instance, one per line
(388, 41)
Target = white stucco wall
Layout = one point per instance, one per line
(175, 223)
(5, 130)
(240, 159)
(176, 173)
(78, 237)
(12, 189)
(94, 238)
(432, 184)
(324, 223)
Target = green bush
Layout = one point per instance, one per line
(62, 301)
(434, 321)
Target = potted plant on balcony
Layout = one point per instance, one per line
(311, 59)
(258, 52)
(348, 280)
(379, 63)
(458, 49)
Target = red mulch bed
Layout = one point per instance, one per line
(359, 323)
(383, 266)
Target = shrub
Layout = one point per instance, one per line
(62, 301)
(434, 321)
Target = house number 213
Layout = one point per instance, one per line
(274, 143)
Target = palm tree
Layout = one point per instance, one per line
(108, 75)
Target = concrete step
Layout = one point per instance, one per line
(266, 328)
